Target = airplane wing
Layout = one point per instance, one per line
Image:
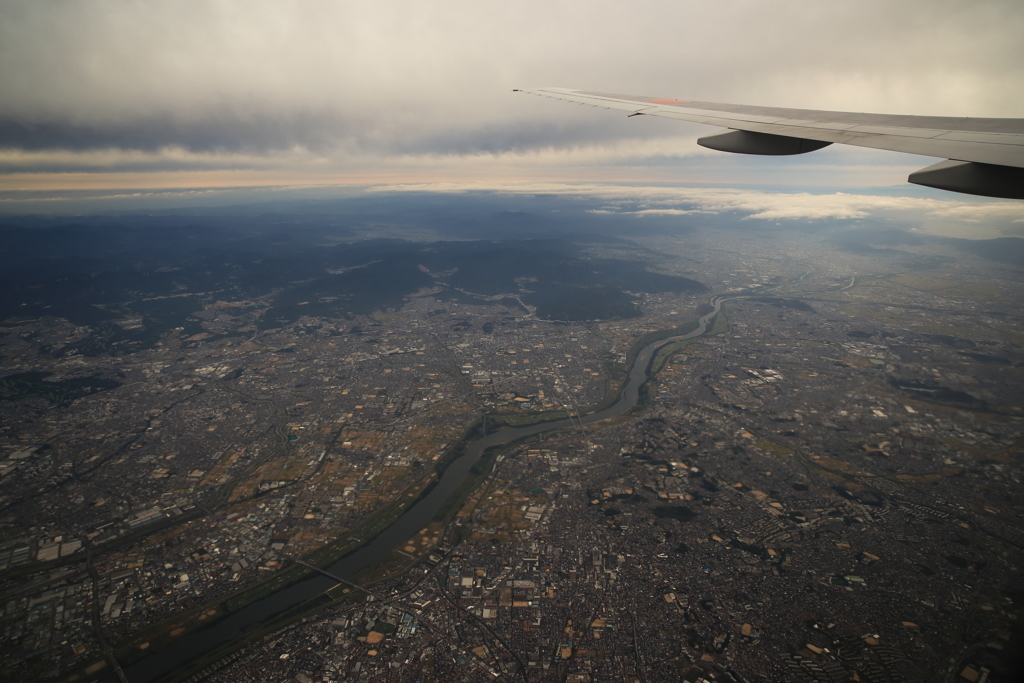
(984, 156)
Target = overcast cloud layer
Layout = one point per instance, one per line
(314, 88)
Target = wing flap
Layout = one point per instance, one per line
(971, 178)
(746, 142)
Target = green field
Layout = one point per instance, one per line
(645, 339)
(664, 354)
(720, 326)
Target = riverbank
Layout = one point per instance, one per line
(291, 596)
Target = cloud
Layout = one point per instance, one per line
(652, 212)
(389, 82)
(955, 217)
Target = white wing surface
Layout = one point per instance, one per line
(984, 156)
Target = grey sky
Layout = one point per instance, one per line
(339, 86)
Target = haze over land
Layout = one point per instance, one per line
(203, 397)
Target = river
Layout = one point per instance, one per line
(188, 648)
